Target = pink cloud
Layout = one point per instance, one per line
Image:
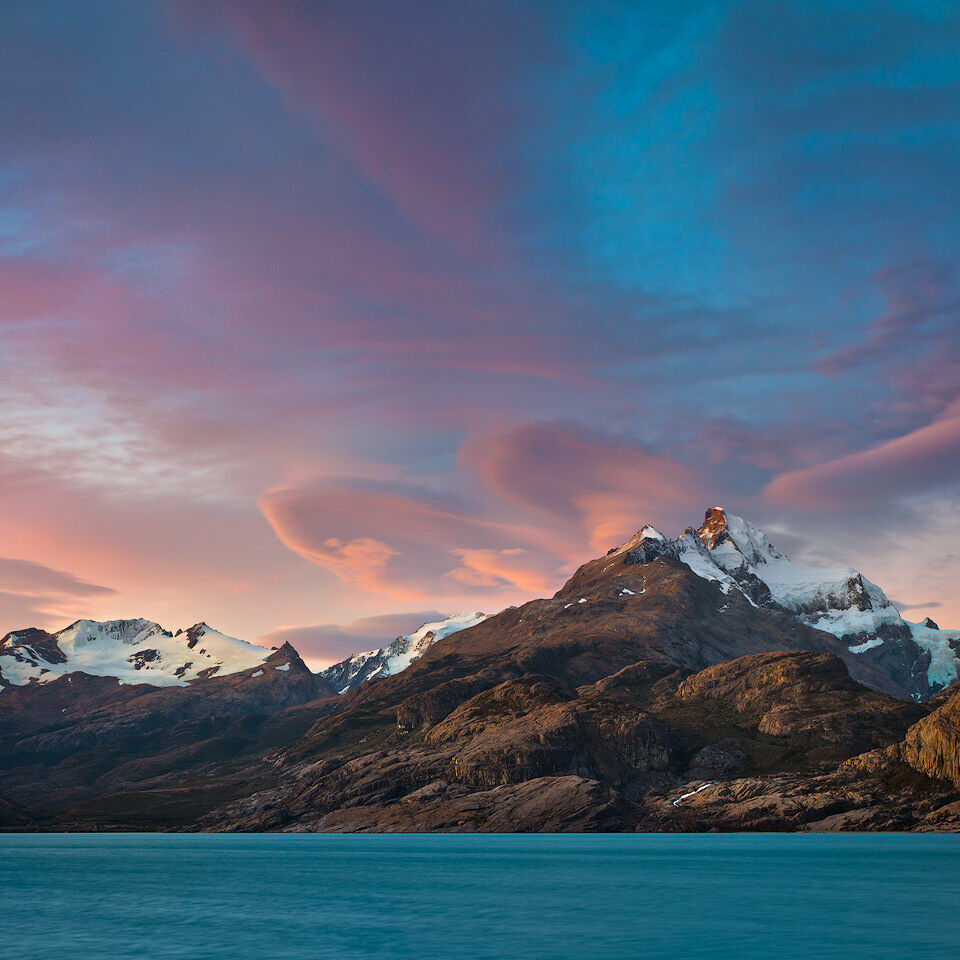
(911, 344)
(36, 579)
(553, 493)
(921, 460)
(411, 89)
(410, 545)
(501, 568)
(34, 594)
(731, 440)
(586, 480)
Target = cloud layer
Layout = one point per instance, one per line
(924, 459)
(340, 310)
(408, 544)
(32, 593)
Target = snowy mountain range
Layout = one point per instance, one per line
(396, 656)
(841, 601)
(698, 683)
(726, 549)
(133, 651)
(141, 651)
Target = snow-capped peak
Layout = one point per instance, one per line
(644, 533)
(728, 537)
(397, 655)
(739, 555)
(744, 551)
(133, 651)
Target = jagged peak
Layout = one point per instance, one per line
(714, 526)
(25, 635)
(646, 532)
(397, 655)
(732, 550)
(132, 650)
(723, 532)
(285, 653)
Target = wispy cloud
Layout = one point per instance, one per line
(324, 310)
(32, 594)
(925, 459)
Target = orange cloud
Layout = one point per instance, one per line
(360, 562)
(498, 568)
(411, 544)
(598, 484)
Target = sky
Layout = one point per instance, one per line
(321, 319)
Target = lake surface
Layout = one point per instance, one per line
(270, 897)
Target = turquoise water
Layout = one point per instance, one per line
(272, 897)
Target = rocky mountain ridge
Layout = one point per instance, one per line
(917, 658)
(133, 651)
(358, 668)
(668, 685)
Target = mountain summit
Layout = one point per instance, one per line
(737, 555)
(358, 668)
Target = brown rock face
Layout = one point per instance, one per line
(283, 680)
(42, 642)
(801, 694)
(544, 804)
(532, 727)
(713, 530)
(932, 745)
(739, 745)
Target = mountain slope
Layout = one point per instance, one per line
(768, 741)
(618, 609)
(133, 651)
(80, 736)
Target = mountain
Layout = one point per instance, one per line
(133, 651)
(86, 709)
(80, 736)
(918, 657)
(358, 668)
(684, 684)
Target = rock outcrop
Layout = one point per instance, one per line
(932, 745)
